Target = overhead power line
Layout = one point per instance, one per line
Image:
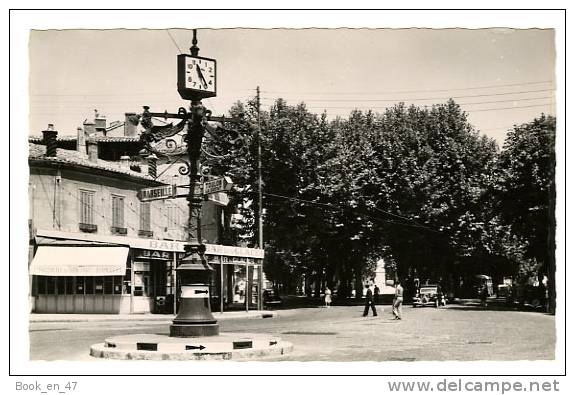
(461, 104)
(417, 91)
(358, 212)
(426, 98)
(139, 94)
(467, 111)
(512, 108)
(174, 41)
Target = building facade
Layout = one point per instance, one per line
(96, 247)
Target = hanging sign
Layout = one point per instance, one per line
(219, 198)
(218, 185)
(157, 193)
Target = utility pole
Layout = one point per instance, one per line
(260, 199)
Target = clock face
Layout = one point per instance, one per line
(201, 74)
(196, 77)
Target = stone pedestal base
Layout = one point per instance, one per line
(179, 330)
(226, 346)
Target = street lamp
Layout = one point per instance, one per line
(196, 80)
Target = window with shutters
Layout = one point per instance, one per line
(173, 228)
(87, 211)
(145, 226)
(145, 215)
(87, 207)
(118, 215)
(173, 217)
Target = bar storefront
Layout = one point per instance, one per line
(99, 274)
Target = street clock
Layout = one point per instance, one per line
(196, 77)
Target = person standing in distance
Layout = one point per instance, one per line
(369, 302)
(327, 297)
(398, 300)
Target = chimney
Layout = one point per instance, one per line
(152, 165)
(81, 141)
(89, 128)
(125, 162)
(100, 123)
(92, 146)
(49, 136)
(130, 124)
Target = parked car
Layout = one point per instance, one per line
(503, 290)
(429, 295)
(271, 298)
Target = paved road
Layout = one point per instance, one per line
(342, 334)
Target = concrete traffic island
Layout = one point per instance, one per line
(226, 346)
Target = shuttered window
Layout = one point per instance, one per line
(145, 216)
(118, 211)
(87, 207)
(173, 217)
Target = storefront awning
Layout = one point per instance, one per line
(79, 261)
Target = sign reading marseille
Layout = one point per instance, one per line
(156, 193)
(218, 185)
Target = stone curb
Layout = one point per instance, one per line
(100, 351)
(43, 318)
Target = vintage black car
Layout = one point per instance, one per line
(271, 298)
(429, 295)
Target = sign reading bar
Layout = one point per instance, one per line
(157, 193)
(218, 185)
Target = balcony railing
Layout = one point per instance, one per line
(89, 228)
(145, 233)
(119, 230)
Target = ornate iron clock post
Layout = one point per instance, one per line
(196, 80)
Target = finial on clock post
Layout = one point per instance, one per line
(194, 49)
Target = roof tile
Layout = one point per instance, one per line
(38, 152)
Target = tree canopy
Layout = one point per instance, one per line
(418, 186)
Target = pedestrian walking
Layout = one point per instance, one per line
(327, 297)
(398, 301)
(376, 294)
(369, 302)
(484, 293)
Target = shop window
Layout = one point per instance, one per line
(70, 285)
(80, 285)
(98, 285)
(108, 285)
(41, 285)
(34, 290)
(61, 285)
(117, 285)
(89, 282)
(141, 284)
(127, 287)
(50, 285)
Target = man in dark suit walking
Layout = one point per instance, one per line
(369, 302)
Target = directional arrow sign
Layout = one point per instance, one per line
(218, 185)
(157, 193)
(200, 347)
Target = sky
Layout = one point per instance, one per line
(499, 76)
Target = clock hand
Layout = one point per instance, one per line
(201, 76)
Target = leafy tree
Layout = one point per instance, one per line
(526, 191)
